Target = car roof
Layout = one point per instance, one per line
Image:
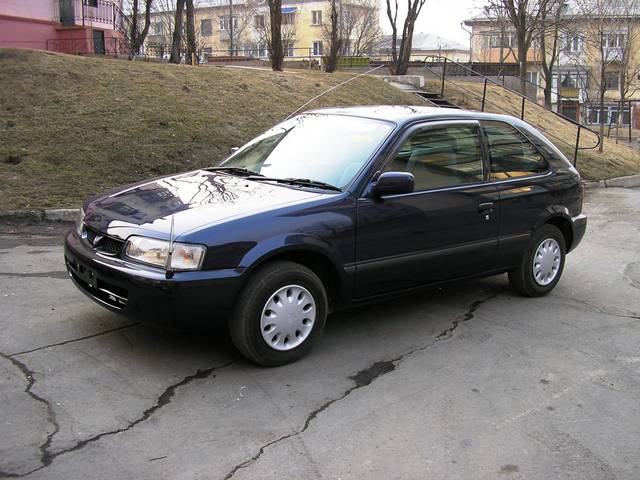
(402, 114)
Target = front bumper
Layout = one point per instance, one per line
(202, 298)
(579, 227)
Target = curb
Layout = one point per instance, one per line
(69, 215)
(624, 182)
(38, 215)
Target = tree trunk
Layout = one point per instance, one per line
(522, 61)
(276, 47)
(335, 41)
(192, 54)
(176, 45)
(136, 38)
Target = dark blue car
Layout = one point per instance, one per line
(331, 209)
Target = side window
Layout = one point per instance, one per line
(441, 157)
(511, 154)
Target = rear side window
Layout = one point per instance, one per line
(441, 157)
(511, 154)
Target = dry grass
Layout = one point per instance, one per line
(73, 126)
(615, 161)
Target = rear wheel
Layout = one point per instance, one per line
(542, 263)
(280, 315)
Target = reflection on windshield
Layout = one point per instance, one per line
(320, 147)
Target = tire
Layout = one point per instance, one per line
(523, 279)
(289, 340)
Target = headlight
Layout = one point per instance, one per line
(80, 221)
(155, 252)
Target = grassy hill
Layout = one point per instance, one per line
(72, 126)
(616, 160)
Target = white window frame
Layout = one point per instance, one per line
(318, 48)
(316, 17)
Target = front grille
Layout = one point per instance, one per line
(102, 243)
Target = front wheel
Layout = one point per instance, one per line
(542, 263)
(280, 314)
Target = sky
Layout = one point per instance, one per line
(439, 17)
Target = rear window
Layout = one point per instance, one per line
(512, 155)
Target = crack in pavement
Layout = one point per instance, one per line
(73, 340)
(51, 416)
(364, 378)
(164, 399)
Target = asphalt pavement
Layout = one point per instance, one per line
(465, 382)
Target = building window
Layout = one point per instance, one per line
(572, 43)
(205, 28)
(614, 40)
(611, 80)
(288, 49)
(288, 18)
(532, 77)
(502, 40)
(316, 17)
(609, 115)
(317, 49)
(259, 21)
(157, 28)
(224, 23)
(91, 3)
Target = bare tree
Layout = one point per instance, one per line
(176, 44)
(192, 48)
(136, 35)
(524, 16)
(246, 15)
(402, 55)
(336, 38)
(276, 34)
(552, 22)
(276, 49)
(629, 58)
(361, 28)
(603, 35)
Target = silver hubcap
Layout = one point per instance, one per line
(546, 262)
(288, 317)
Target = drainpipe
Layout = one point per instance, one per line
(470, 32)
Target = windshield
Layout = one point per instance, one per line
(324, 148)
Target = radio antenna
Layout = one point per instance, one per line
(167, 265)
(333, 88)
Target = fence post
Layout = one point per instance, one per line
(575, 153)
(310, 59)
(630, 120)
(444, 74)
(524, 99)
(484, 94)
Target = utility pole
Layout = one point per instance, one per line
(231, 27)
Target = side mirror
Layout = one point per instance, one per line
(394, 183)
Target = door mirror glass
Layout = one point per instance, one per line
(394, 183)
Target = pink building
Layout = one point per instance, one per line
(68, 26)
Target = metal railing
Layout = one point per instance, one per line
(83, 12)
(525, 100)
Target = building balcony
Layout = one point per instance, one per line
(103, 14)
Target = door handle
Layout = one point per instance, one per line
(486, 207)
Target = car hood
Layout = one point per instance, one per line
(193, 199)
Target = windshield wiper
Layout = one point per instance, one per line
(305, 182)
(244, 172)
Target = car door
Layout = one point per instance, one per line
(446, 228)
(523, 180)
